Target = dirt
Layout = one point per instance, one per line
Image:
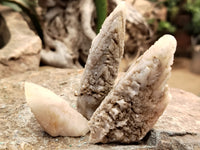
(183, 78)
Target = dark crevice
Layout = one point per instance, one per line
(4, 32)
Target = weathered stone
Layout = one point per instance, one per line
(189, 111)
(21, 53)
(64, 32)
(20, 130)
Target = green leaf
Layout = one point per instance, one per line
(193, 7)
(28, 4)
(11, 5)
(101, 9)
(166, 26)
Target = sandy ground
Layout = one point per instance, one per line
(183, 78)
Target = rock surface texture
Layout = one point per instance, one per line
(178, 128)
(103, 62)
(53, 113)
(21, 53)
(137, 101)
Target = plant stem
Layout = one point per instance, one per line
(101, 9)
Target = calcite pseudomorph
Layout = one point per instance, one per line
(137, 101)
(53, 113)
(103, 62)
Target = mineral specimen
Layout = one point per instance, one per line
(103, 61)
(137, 101)
(53, 113)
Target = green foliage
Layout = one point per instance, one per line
(11, 5)
(171, 3)
(28, 7)
(165, 26)
(101, 10)
(193, 7)
(173, 7)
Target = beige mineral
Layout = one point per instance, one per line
(53, 113)
(103, 62)
(137, 101)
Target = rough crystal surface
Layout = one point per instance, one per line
(134, 105)
(102, 64)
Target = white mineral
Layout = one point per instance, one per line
(53, 113)
(103, 62)
(137, 101)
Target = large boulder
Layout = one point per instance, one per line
(178, 127)
(22, 52)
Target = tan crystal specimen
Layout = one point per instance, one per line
(53, 113)
(103, 61)
(137, 101)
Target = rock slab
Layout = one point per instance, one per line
(21, 53)
(178, 128)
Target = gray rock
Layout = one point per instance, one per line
(21, 53)
(178, 128)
